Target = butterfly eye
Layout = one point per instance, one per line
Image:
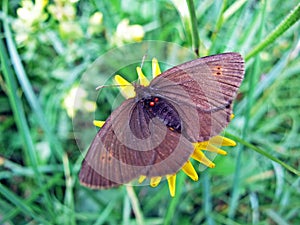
(151, 104)
(155, 100)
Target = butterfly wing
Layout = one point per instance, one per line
(202, 91)
(164, 149)
(130, 144)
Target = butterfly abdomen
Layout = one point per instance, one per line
(164, 111)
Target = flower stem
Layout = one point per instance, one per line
(195, 33)
(235, 195)
(289, 21)
(263, 152)
(207, 198)
(135, 205)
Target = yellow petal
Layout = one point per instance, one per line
(212, 148)
(142, 78)
(222, 141)
(172, 184)
(200, 145)
(216, 140)
(98, 123)
(189, 170)
(154, 181)
(127, 89)
(228, 142)
(2, 161)
(200, 157)
(231, 116)
(141, 179)
(155, 68)
(209, 145)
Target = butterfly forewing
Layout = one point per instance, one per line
(210, 82)
(207, 85)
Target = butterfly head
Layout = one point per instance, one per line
(142, 92)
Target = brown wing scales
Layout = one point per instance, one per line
(202, 91)
(132, 143)
(111, 161)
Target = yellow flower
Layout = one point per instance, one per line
(30, 12)
(76, 100)
(30, 18)
(63, 10)
(128, 33)
(95, 23)
(127, 91)
(70, 30)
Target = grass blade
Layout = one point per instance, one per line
(22, 206)
(289, 21)
(28, 90)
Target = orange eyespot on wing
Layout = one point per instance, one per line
(217, 71)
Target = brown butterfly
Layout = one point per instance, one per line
(152, 133)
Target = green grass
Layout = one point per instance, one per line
(256, 183)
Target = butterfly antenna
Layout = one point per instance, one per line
(143, 60)
(142, 64)
(111, 85)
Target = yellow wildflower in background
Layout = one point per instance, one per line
(64, 11)
(126, 33)
(30, 17)
(75, 100)
(95, 23)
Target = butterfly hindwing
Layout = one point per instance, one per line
(131, 144)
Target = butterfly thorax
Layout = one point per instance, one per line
(158, 107)
(142, 92)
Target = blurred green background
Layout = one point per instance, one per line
(47, 45)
